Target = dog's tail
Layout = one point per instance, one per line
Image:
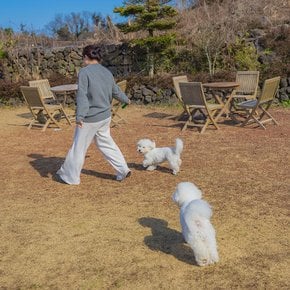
(178, 146)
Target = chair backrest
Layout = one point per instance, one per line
(122, 85)
(192, 93)
(32, 96)
(44, 88)
(176, 81)
(249, 81)
(269, 90)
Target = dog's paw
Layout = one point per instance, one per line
(151, 168)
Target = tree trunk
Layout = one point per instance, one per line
(150, 56)
(209, 61)
(151, 65)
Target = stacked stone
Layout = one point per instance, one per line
(148, 94)
(284, 90)
(37, 63)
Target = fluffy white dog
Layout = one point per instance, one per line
(197, 229)
(154, 156)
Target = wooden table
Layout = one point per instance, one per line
(220, 86)
(64, 91)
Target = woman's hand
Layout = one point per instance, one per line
(79, 124)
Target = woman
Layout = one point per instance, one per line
(96, 88)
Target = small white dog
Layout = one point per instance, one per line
(197, 229)
(154, 156)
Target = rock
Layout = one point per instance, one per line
(155, 90)
(138, 96)
(283, 97)
(283, 83)
(75, 56)
(148, 99)
(146, 92)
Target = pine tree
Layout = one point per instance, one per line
(155, 17)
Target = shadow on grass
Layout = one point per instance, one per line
(48, 166)
(166, 240)
(45, 166)
(99, 174)
(25, 115)
(140, 167)
(158, 115)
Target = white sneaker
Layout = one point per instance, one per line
(120, 177)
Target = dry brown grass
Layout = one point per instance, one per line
(105, 235)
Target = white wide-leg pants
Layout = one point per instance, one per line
(71, 169)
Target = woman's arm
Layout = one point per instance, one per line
(82, 97)
(119, 95)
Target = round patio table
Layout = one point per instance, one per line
(220, 86)
(64, 91)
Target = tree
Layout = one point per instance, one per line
(72, 26)
(154, 17)
(208, 29)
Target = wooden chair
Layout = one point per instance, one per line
(258, 108)
(176, 81)
(43, 114)
(248, 85)
(194, 100)
(116, 105)
(44, 88)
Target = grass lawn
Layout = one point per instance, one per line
(104, 234)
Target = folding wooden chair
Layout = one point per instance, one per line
(256, 109)
(44, 88)
(176, 81)
(194, 100)
(116, 105)
(248, 87)
(37, 107)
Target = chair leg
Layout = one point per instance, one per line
(48, 121)
(205, 126)
(211, 116)
(31, 124)
(66, 116)
(259, 123)
(186, 123)
(51, 119)
(119, 120)
(209, 120)
(265, 112)
(190, 117)
(177, 118)
(189, 120)
(114, 123)
(251, 113)
(254, 119)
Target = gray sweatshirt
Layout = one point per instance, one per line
(96, 88)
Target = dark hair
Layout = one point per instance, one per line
(92, 52)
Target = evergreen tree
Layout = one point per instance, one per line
(155, 17)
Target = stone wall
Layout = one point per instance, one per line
(284, 90)
(148, 94)
(37, 63)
